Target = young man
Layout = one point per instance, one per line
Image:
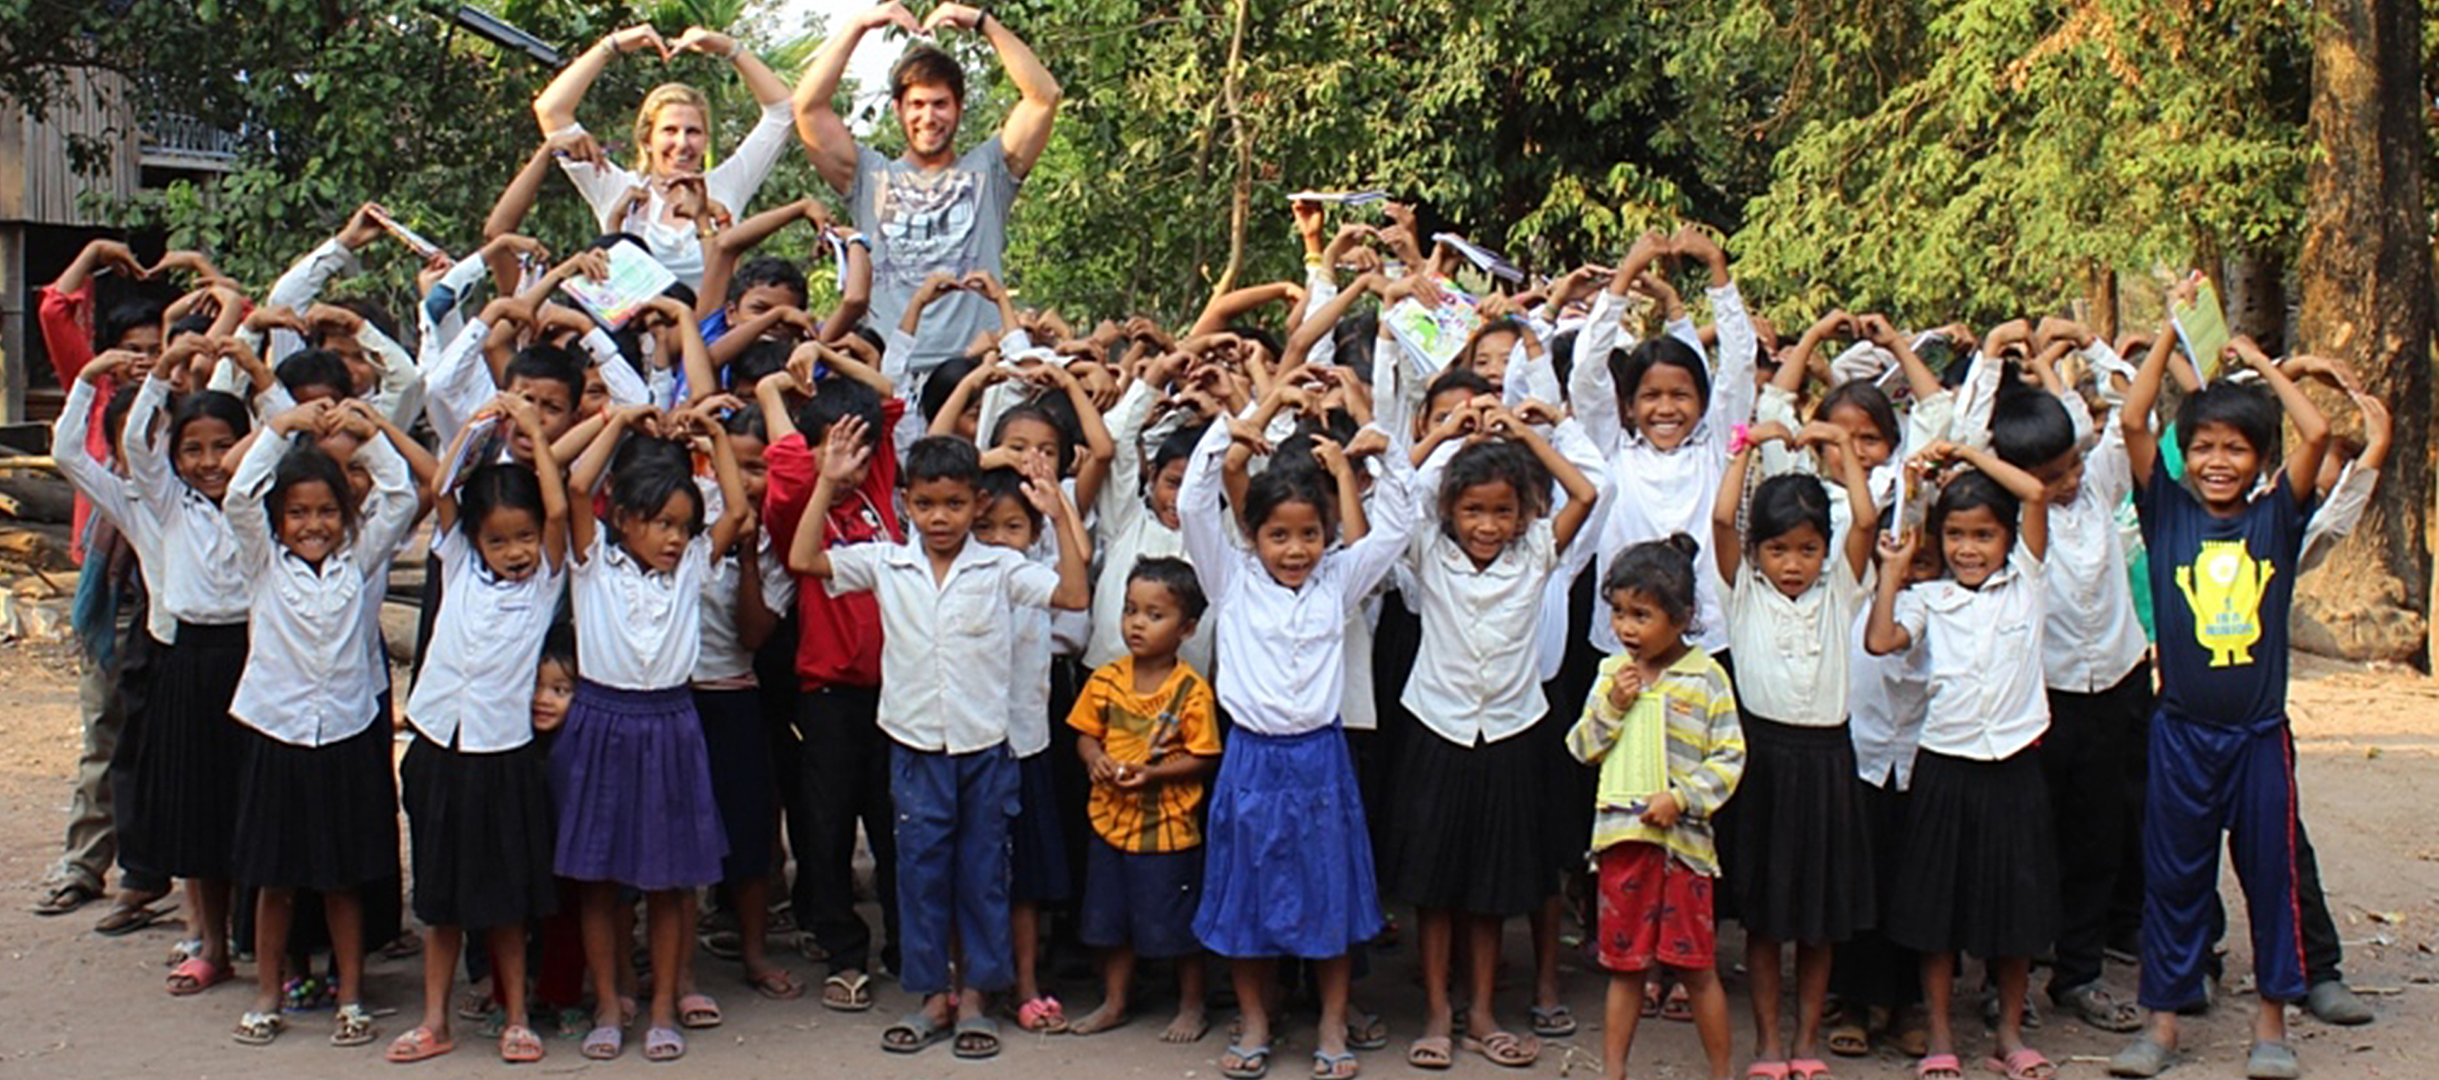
(932, 209)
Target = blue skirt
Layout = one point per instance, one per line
(633, 786)
(1288, 864)
(1037, 852)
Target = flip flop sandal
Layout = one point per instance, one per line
(472, 1004)
(854, 992)
(1766, 1070)
(353, 1026)
(403, 947)
(1504, 1049)
(1808, 1069)
(664, 1044)
(1939, 1065)
(977, 1038)
(725, 944)
(1679, 1006)
(1329, 1066)
(258, 1028)
(1042, 1016)
(66, 898)
(2094, 1005)
(2025, 1064)
(1849, 1040)
(1651, 999)
(913, 1032)
(1553, 1022)
(519, 1045)
(1367, 1032)
(1252, 1063)
(776, 984)
(697, 1011)
(2272, 1061)
(417, 1044)
(195, 975)
(183, 951)
(1433, 1052)
(123, 919)
(603, 1043)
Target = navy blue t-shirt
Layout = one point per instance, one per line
(2220, 591)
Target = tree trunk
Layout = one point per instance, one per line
(2256, 297)
(2366, 282)
(1240, 200)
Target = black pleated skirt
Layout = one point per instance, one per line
(316, 817)
(185, 764)
(1979, 872)
(1795, 842)
(1468, 825)
(482, 827)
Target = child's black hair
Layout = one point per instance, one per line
(835, 400)
(1288, 481)
(373, 314)
(1353, 338)
(304, 464)
(645, 474)
(548, 363)
(1970, 490)
(1562, 354)
(1866, 395)
(1175, 575)
(2029, 429)
(193, 322)
(559, 647)
(1178, 445)
(209, 405)
(1785, 503)
(766, 270)
(1264, 338)
(1494, 462)
(1006, 483)
(2246, 407)
(310, 368)
(1457, 378)
(942, 457)
(497, 487)
(943, 381)
(1660, 569)
(128, 313)
(760, 360)
(747, 423)
(114, 417)
(1629, 367)
(1061, 427)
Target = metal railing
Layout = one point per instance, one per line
(181, 136)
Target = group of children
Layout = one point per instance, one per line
(1216, 642)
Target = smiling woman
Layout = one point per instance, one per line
(669, 199)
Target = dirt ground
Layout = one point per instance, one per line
(78, 1004)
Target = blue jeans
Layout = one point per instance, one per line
(953, 816)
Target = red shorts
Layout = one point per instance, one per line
(1653, 909)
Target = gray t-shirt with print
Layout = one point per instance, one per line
(952, 220)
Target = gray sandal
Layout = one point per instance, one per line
(2272, 1061)
(2146, 1058)
(2095, 1005)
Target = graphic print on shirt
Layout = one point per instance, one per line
(2223, 587)
(925, 219)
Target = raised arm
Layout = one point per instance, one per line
(1027, 130)
(844, 452)
(587, 472)
(555, 108)
(827, 141)
(2032, 529)
(2311, 428)
(1883, 634)
(2134, 417)
(1227, 307)
(728, 248)
(854, 289)
(1583, 493)
(1863, 512)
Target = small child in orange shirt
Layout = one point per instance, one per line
(1149, 735)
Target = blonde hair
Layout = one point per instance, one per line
(648, 114)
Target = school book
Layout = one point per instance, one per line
(2201, 326)
(635, 279)
(1431, 333)
(414, 241)
(1338, 198)
(1484, 259)
(486, 440)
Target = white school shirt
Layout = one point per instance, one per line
(638, 629)
(1791, 651)
(1281, 651)
(1885, 702)
(399, 393)
(1550, 630)
(1660, 492)
(310, 679)
(1475, 680)
(1987, 699)
(1029, 690)
(477, 687)
(731, 183)
(947, 645)
(2091, 638)
(199, 578)
(111, 496)
(724, 662)
(1127, 532)
(2335, 518)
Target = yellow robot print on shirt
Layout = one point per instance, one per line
(2223, 588)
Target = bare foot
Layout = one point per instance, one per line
(1111, 1015)
(1189, 1026)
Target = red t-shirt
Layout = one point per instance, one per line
(838, 639)
(67, 334)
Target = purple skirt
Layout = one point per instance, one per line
(633, 786)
